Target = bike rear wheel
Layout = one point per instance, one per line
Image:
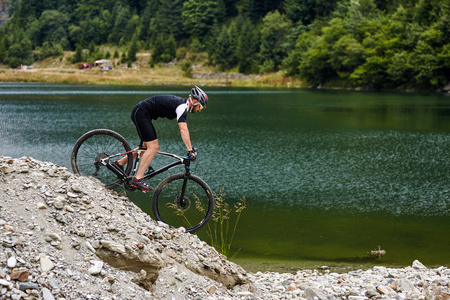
(95, 145)
(193, 211)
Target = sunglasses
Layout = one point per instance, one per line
(198, 103)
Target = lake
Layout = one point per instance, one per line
(327, 176)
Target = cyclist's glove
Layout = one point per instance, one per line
(192, 154)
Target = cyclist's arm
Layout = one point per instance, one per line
(185, 135)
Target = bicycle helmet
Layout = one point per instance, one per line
(200, 95)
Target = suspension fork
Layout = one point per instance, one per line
(182, 202)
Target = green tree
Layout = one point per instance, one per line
(105, 25)
(274, 29)
(89, 32)
(198, 16)
(346, 55)
(20, 53)
(48, 49)
(75, 34)
(298, 56)
(164, 50)
(248, 48)
(121, 22)
(78, 57)
(257, 9)
(133, 48)
(224, 55)
(400, 69)
(300, 10)
(130, 29)
(52, 26)
(169, 18)
(307, 11)
(3, 50)
(87, 9)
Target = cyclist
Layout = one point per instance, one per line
(162, 106)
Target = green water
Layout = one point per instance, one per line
(327, 175)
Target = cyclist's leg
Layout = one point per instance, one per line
(149, 140)
(144, 128)
(147, 157)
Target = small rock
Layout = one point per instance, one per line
(6, 283)
(406, 286)
(46, 263)
(418, 265)
(6, 170)
(23, 286)
(12, 261)
(96, 268)
(76, 188)
(21, 275)
(371, 292)
(311, 293)
(113, 246)
(41, 205)
(386, 290)
(72, 195)
(46, 294)
(68, 208)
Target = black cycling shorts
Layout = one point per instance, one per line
(143, 124)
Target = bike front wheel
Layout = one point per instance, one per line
(183, 200)
(99, 144)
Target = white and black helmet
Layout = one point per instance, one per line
(200, 95)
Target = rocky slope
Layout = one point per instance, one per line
(66, 237)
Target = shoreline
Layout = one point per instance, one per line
(60, 229)
(172, 76)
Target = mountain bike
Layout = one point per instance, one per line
(181, 199)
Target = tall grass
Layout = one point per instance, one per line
(223, 224)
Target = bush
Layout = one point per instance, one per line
(187, 69)
(49, 49)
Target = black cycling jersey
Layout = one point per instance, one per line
(161, 106)
(165, 106)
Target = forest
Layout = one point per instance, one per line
(353, 43)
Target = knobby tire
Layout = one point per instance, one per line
(198, 204)
(96, 144)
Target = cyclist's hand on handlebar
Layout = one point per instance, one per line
(192, 154)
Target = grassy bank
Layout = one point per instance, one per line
(58, 70)
(141, 76)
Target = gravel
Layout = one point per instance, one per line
(66, 237)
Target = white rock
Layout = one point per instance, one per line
(46, 263)
(46, 294)
(12, 262)
(113, 246)
(406, 286)
(96, 268)
(418, 265)
(6, 283)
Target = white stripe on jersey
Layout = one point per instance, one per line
(181, 109)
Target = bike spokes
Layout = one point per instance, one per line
(96, 148)
(189, 209)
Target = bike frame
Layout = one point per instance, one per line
(180, 161)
